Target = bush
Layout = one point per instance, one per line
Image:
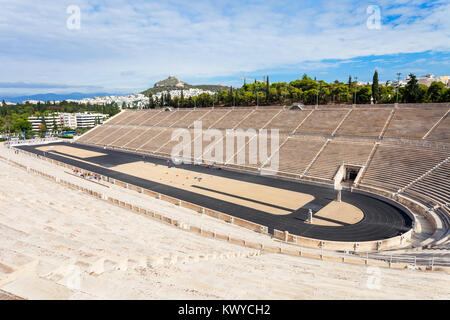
(69, 136)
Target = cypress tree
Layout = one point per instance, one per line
(43, 122)
(231, 95)
(375, 88)
(55, 126)
(152, 103)
(182, 98)
(150, 100)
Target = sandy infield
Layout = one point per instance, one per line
(71, 151)
(255, 196)
(339, 211)
(259, 197)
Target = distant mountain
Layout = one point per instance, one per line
(173, 83)
(170, 82)
(56, 97)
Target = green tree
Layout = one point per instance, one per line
(363, 95)
(55, 126)
(230, 96)
(412, 90)
(43, 120)
(387, 94)
(341, 93)
(22, 125)
(324, 94)
(305, 84)
(182, 98)
(150, 101)
(42, 130)
(375, 88)
(309, 96)
(446, 96)
(436, 92)
(247, 97)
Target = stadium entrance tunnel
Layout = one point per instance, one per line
(351, 174)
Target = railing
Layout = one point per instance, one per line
(411, 260)
(13, 143)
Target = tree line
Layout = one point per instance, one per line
(14, 118)
(311, 91)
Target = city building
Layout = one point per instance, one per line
(34, 102)
(50, 122)
(89, 120)
(429, 79)
(71, 120)
(444, 79)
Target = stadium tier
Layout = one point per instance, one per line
(287, 121)
(413, 123)
(297, 153)
(441, 132)
(356, 123)
(322, 122)
(403, 150)
(394, 167)
(337, 152)
(435, 185)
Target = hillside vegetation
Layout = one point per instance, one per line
(306, 90)
(172, 83)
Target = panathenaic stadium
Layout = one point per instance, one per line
(328, 202)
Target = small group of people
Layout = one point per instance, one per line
(88, 176)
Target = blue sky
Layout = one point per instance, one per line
(126, 46)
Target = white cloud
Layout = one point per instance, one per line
(147, 40)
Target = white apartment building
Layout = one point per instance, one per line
(71, 120)
(50, 122)
(89, 120)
